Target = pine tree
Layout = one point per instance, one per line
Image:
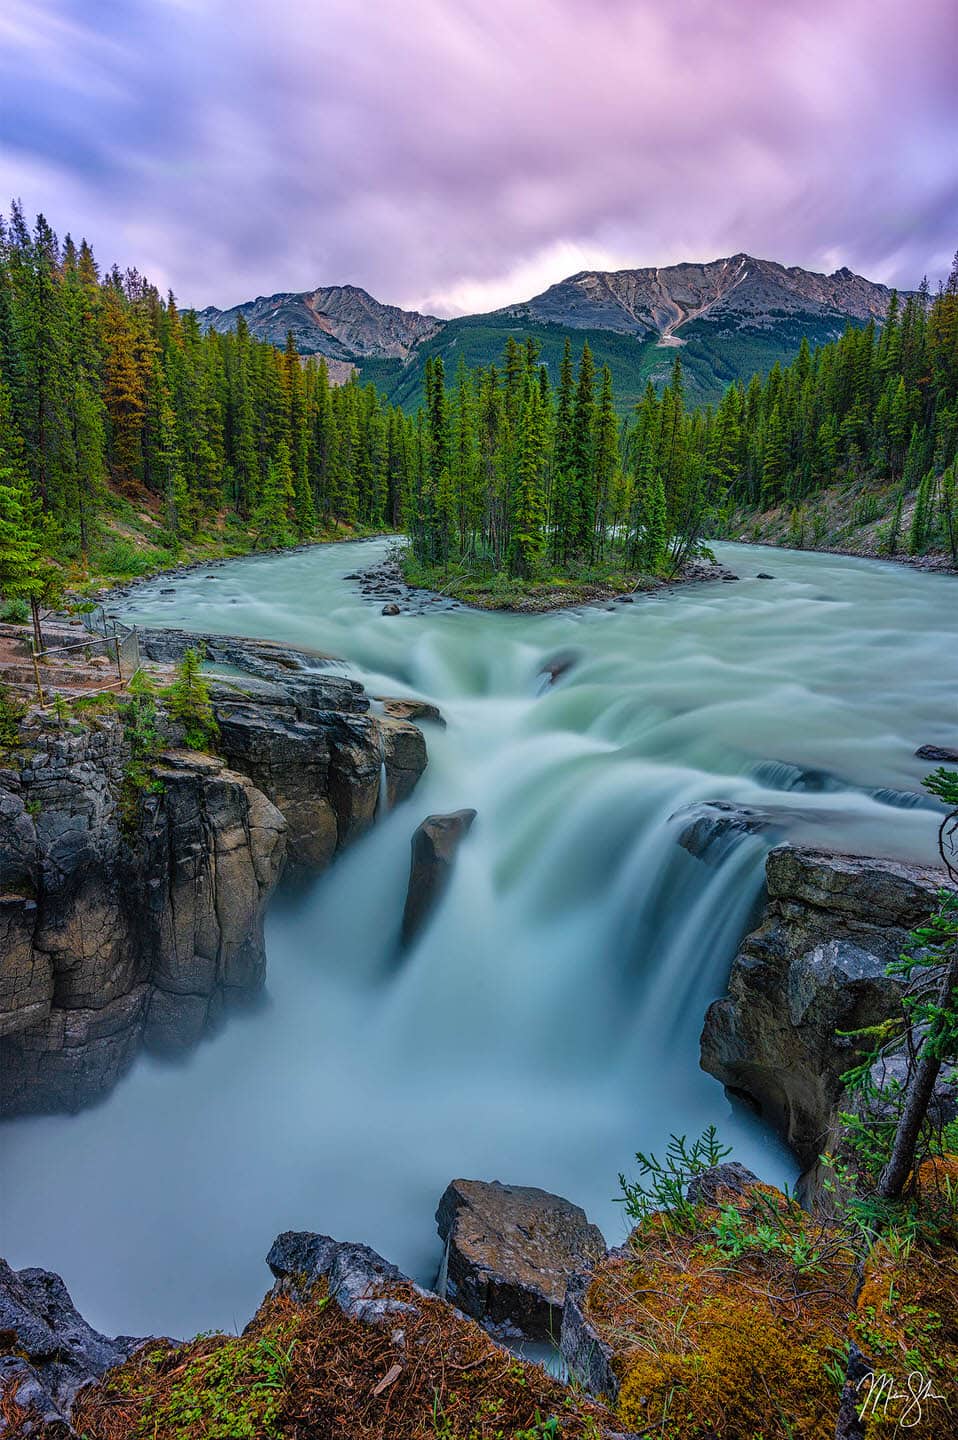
(582, 448)
(528, 500)
(24, 570)
(189, 702)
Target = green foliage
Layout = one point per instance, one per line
(141, 731)
(892, 1128)
(234, 1392)
(663, 1184)
(15, 612)
(771, 1231)
(126, 561)
(11, 715)
(188, 701)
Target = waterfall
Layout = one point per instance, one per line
(545, 1024)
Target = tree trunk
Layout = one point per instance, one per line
(37, 633)
(921, 1087)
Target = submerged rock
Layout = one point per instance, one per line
(510, 1251)
(559, 664)
(814, 967)
(711, 830)
(434, 848)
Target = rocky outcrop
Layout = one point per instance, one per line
(47, 1350)
(510, 1251)
(415, 710)
(434, 848)
(385, 582)
(357, 1347)
(359, 1280)
(128, 912)
(814, 967)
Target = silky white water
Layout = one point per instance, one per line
(546, 1024)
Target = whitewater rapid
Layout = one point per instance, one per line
(546, 1024)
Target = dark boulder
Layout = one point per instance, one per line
(434, 847)
(47, 1350)
(941, 753)
(730, 1179)
(361, 1282)
(391, 609)
(510, 1251)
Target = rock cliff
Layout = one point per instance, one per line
(129, 915)
(814, 967)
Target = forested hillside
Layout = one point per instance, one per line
(519, 476)
(127, 434)
(114, 407)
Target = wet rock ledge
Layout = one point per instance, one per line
(813, 968)
(128, 916)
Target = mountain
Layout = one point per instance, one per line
(342, 322)
(740, 291)
(730, 317)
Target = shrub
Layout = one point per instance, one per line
(11, 713)
(188, 701)
(15, 611)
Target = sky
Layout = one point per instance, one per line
(456, 155)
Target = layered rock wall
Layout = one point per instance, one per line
(814, 968)
(128, 915)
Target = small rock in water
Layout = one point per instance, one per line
(391, 609)
(413, 710)
(764, 575)
(510, 1251)
(942, 753)
(558, 664)
(434, 847)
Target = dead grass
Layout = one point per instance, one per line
(305, 1371)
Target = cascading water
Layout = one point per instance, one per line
(546, 1024)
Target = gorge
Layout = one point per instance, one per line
(546, 1022)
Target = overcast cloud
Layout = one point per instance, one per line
(454, 155)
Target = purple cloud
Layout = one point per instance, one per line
(457, 154)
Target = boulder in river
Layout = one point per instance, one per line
(942, 753)
(510, 1251)
(414, 710)
(391, 609)
(434, 847)
(558, 665)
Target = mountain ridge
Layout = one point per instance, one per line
(731, 316)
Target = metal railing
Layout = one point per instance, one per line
(106, 636)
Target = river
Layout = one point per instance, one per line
(546, 1025)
